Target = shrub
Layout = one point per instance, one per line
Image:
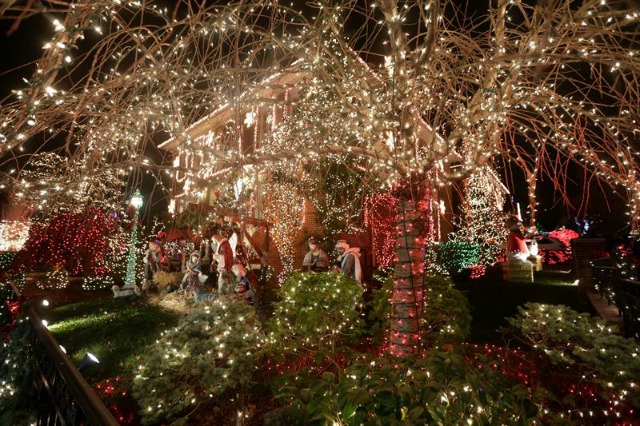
(78, 242)
(442, 389)
(446, 319)
(604, 361)
(317, 312)
(455, 256)
(57, 279)
(97, 283)
(16, 370)
(209, 352)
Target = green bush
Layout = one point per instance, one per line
(455, 256)
(447, 316)
(16, 377)
(209, 352)
(446, 319)
(317, 313)
(442, 389)
(589, 345)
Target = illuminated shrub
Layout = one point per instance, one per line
(209, 352)
(455, 256)
(316, 311)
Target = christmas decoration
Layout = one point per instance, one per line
(380, 214)
(192, 365)
(283, 208)
(13, 234)
(51, 184)
(455, 256)
(371, 390)
(317, 312)
(416, 95)
(118, 399)
(16, 371)
(97, 283)
(78, 242)
(447, 319)
(608, 363)
(481, 221)
(130, 278)
(565, 236)
(56, 279)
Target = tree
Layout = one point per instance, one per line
(50, 184)
(76, 242)
(481, 220)
(416, 94)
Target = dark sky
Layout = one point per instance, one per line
(22, 46)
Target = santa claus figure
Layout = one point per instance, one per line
(516, 246)
(223, 258)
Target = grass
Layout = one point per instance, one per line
(116, 331)
(493, 300)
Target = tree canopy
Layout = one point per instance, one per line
(423, 88)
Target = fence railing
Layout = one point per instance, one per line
(63, 396)
(614, 284)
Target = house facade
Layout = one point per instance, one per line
(244, 125)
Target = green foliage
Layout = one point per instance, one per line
(441, 389)
(380, 307)
(586, 343)
(454, 256)
(16, 383)
(209, 352)
(315, 311)
(446, 319)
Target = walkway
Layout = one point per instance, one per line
(607, 311)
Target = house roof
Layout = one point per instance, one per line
(270, 88)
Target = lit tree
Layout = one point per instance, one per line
(481, 220)
(75, 242)
(49, 184)
(420, 94)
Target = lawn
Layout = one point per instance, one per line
(116, 331)
(493, 300)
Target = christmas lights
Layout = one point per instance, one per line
(481, 221)
(400, 92)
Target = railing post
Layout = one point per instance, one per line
(64, 396)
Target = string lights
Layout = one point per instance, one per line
(481, 221)
(395, 91)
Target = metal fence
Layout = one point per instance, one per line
(614, 283)
(63, 396)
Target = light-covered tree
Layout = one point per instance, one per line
(481, 220)
(416, 94)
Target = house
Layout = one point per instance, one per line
(244, 124)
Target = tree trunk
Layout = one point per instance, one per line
(407, 302)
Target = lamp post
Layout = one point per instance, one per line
(130, 278)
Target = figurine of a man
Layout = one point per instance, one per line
(223, 257)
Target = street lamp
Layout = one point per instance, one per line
(136, 200)
(130, 278)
